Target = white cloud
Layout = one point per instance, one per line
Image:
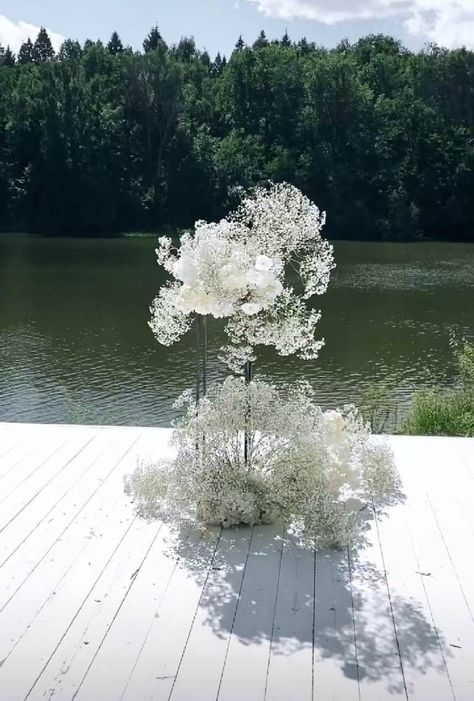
(13, 34)
(447, 22)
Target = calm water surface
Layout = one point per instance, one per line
(75, 346)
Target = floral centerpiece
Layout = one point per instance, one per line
(248, 452)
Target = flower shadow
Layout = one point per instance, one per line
(264, 588)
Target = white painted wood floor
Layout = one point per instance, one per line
(98, 605)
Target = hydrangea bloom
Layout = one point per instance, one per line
(242, 269)
(312, 469)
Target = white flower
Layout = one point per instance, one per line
(334, 422)
(263, 263)
(290, 473)
(235, 269)
(185, 269)
(250, 308)
(233, 279)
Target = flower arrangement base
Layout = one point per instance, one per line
(312, 469)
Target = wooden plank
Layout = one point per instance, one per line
(446, 599)
(146, 643)
(8, 441)
(38, 446)
(379, 663)
(60, 541)
(465, 449)
(66, 669)
(423, 651)
(19, 451)
(291, 647)
(450, 494)
(174, 631)
(56, 599)
(74, 450)
(116, 556)
(204, 653)
(336, 674)
(249, 644)
(52, 509)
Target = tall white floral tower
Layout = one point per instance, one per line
(245, 451)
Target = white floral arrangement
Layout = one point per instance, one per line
(312, 469)
(249, 453)
(244, 269)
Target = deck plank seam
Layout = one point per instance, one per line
(85, 599)
(428, 603)
(18, 462)
(209, 570)
(156, 611)
(129, 588)
(239, 596)
(270, 647)
(313, 631)
(57, 585)
(354, 629)
(390, 602)
(54, 506)
(450, 558)
(70, 523)
(48, 483)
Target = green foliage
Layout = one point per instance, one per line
(465, 359)
(26, 53)
(99, 138)
(441, 414)
(115, 45)
(447, 413)
(43, 48)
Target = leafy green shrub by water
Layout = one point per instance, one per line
(437, 413)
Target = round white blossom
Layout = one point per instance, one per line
(250, 308)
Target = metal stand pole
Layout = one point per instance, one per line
(201, 357)
(204, 354)
(247, 439)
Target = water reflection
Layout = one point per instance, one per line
(75, 346)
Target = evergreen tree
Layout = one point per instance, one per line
(153, 40)
(70, 50)
(185, 50)
(115, 45)
(304, 47)
(240, 45)
(205, 59)
(286, 41)
(217, 65)
(26, 52)
(43, 49)
(8, 58)
(374, 133)
(261, 41)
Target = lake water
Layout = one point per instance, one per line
(75, 346)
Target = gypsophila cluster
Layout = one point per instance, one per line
(312, 469)
(257, 269)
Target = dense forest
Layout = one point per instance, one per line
(100, 138)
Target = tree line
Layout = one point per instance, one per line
(100, 138)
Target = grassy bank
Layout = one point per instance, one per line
(446, 413)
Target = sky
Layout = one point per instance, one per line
(217, 24)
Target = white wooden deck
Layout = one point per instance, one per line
(98, 605)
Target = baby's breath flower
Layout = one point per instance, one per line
(238, 269)
(314, 470)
